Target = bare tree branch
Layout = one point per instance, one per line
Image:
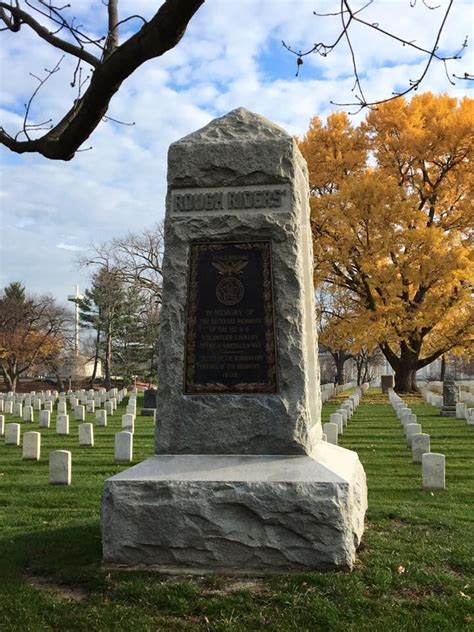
(153, 39)
(348, 16)
(20, 17)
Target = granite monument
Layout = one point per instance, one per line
(241, 481)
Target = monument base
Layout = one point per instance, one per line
(252, 515)
(148, 412)
(448, 411)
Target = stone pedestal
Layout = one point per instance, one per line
(242, 514)
(241, 480)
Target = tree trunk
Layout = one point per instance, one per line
(339, 359)
(9, 379)
(405, 377)
(443, 368)
(405, 366)
(108, 360)
(96, 359)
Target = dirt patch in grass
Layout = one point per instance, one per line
(62, 591)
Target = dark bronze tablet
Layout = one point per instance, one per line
(230, 331)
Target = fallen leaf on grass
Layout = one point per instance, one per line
(401, 569)
(463, 595)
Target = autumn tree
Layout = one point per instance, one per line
(392, 217)
(33, 332)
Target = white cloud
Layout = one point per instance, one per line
(230, 56)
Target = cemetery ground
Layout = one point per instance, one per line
(414, 568)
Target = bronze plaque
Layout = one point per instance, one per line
(230, 333)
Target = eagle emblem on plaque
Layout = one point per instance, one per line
(230, 290)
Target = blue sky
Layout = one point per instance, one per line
(230, 56)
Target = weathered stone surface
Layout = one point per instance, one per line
(149, 402)
(32, 446)
(128, 422)
(241, 150)
(44, 418)
(124, 446)
(100, 417)
(62, 424)
(60, 467)
(450, 399)
(86, 435)
(241, 480)
(433, 471)
(331, 430)
(255, 514)
(410, 430)
(420, 444)
(12, 434)
(338, 419)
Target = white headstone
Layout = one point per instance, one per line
(109, 407)
(12, 434)
(8, 407)
(331, 432)
(433, 471)
(100, 417)
(470, 416)
(60, 467)
(79, 413)
(90, 406)
(337, 418)
(410, 430)
(420, 444)
(44, 418)
(62, 408)
(18, 409)
(62, 424)
(28, 414)
(86, 435)
(128, 422)
(2, 425)
(31, 446)
(124, 446)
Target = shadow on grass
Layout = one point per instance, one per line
(66, 553)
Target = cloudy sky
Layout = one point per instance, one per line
(230, 56)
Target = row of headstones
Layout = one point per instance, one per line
(12, 431)
(329, 390)
(432, 463)
(111, 399)
(14, 403)
(62, 419)
(340, 419)
(60, 460)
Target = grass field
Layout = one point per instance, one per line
(414, 569)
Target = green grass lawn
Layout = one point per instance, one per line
(414, 569)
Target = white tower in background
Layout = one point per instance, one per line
(76, 298)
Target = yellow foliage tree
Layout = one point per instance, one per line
(393, 217)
